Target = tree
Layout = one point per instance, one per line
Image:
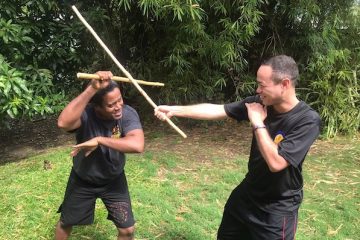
(38, 44)
(201, 50)
(323, 37)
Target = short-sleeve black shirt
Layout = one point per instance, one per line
(103, 164)
(294, 132)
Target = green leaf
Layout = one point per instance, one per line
(10, 113)
(27, 39)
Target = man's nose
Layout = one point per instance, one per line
(118, 105)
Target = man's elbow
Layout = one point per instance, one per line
(140, 150)
(136, 141)
(139, 147)
(64, 126)
(274, 168)
(68, 125)
(61, 124)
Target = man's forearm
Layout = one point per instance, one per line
(269, 150)
(204, 111)
(133, 143)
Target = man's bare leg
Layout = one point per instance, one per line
(62, 233)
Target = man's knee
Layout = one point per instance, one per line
(126, 233)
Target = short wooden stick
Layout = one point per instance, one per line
(118, 79)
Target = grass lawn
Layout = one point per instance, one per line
(179, 187)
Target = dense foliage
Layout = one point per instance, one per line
(323, 36)
(37, 54)
(202, 51)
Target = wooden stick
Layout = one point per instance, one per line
(127, 74)
(118, 79)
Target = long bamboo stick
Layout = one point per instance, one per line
(118, 79)
(127, 74)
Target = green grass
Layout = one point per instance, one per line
(181, 197)
(331, 207)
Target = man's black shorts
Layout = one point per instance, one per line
(80, 198)
(257, 225)
(245, 221)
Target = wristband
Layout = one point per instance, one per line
(256, 127)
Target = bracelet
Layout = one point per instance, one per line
(256, 127)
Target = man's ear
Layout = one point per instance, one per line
(286, 83)
(97, 107)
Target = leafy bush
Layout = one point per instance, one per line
(201, 50)
(37, 56)
(14, 95)
(335, 91)
(26, 93)
(189, 45)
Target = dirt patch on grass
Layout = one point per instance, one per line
(28, 138)
(226, 138)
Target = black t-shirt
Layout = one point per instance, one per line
(294, 132)
(103, 164)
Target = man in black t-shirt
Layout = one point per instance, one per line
(105, 129)
(265, 204)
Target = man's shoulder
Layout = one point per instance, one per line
(89, 110)
(130, 119)
(309, 111)
(128, 110)
(249, 99)
(130, 114)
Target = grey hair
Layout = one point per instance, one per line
(283, 67)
